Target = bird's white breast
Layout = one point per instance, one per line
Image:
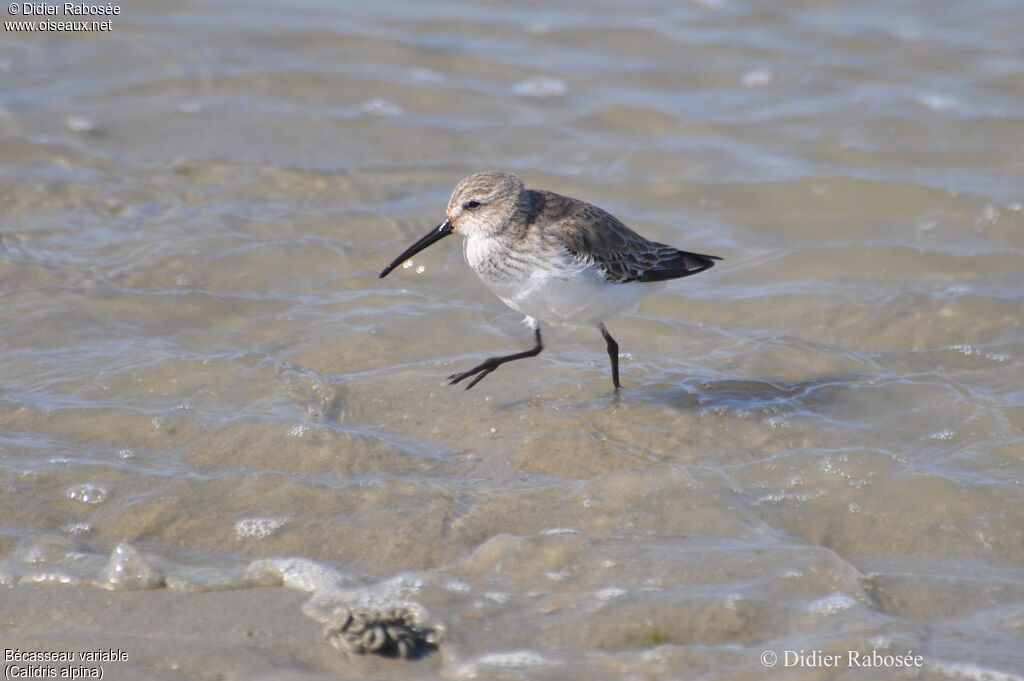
(550, 285)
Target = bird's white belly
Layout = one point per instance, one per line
(562, 293)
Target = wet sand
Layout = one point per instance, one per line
(218, 427)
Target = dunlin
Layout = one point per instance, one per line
(553, 258)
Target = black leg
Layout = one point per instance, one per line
(489, 365)
(613, 354)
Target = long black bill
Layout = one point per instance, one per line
(433, 236)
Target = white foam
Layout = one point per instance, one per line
(258, 528)
(758, 78)
(297, 573)
(516, 659)
(610, 593)
(971, 672)
(558, 530)
(829, 605)
(428, 76)
(541, 87)
(381, 108)
(79, 124)
(937, 101)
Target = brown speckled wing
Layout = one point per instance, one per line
(622, 255)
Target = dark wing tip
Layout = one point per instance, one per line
(682, 264)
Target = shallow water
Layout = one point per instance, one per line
(819, 445)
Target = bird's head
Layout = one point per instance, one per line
(481, 205)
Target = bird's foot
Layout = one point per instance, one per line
(484, 368)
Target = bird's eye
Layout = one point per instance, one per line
(471, 204)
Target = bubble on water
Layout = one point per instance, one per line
(541, 87)
(776, 422)
(126, 453)
(558, 575)
(298, 430)
(129, 570)
(456, 586)
(258, 528)
(937, 101)
(942, 435)
(854, 507)
(381, 108)
(407, 264)
(758, 78)
(421, 269)
(830, 605)
(157, 421)
(77, 528)
(1016, 207)
(79, 124)
(610, 593)
(87, 493)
